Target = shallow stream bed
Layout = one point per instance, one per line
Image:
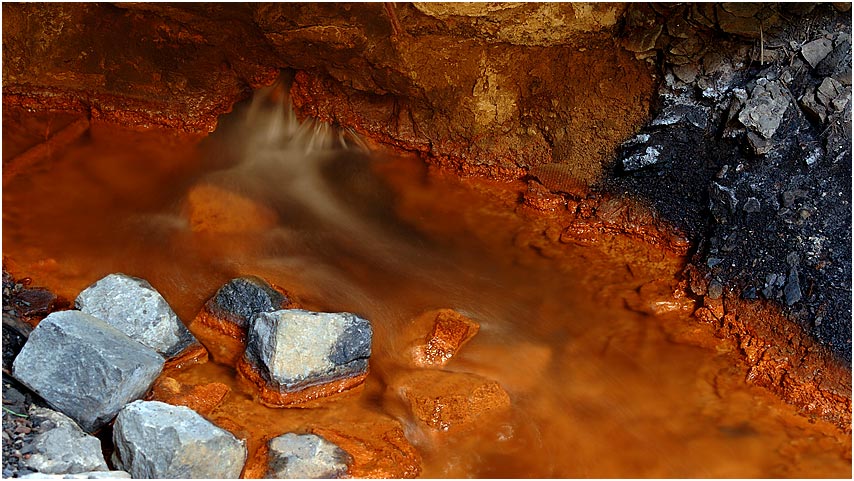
(608, 373)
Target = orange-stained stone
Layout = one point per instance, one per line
(446, 332)
(442, 399)
(202, 398)
(215, 318)
(194, 354)
(378, 446)
(213, 209)
(310, 396)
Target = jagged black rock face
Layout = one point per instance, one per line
(752, 160)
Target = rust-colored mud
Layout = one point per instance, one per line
(583, 322)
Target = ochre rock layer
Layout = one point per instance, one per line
(488, 91)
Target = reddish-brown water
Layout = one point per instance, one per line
(608, 374)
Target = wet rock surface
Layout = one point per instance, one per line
(377, 444)
(62, 447)
(134, 307)
(441, 334)
(216, 210)
(759, 175)
(23, 306)
(445, 400)
(85, 368)
(202, 398)
(296, 350)
(156, 440)
(306, 456)
(237, 302)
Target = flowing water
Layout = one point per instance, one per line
(602, 383)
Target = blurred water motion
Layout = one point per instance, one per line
(597, 389)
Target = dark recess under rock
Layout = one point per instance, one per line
(753, 161)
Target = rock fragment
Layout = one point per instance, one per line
(234, 305)
(828, 91)
(62, 447)
(763, 112)
(648, 157)
(85, 368)
(306, 456)
(752, 205)
(295, 356)
(443, 400)
(792, 291)
(157, 440)
(722, 202)
(134, 307)
(442, 333)
(814, 52)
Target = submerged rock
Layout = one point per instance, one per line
(443, 400)
(62, 447)
(441, 333)
(157, 440)
(296, 355)
(134, 307)
(306, 456)
(377, 444)
(234, 305)
(211, 209)
(202, 398)
(85, 367)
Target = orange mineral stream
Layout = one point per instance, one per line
(608, 374)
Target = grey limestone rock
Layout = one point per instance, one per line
(134, 307)
(86, 475)
(62, 447)
(240, 299)
(306, 456)
(763, 112)
(814, 52)
(158, 440)
(294, 349)
(85, 368)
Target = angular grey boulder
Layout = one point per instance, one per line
(158, 440)
(293, 348)
(62, 447)
(85, 368)
(306, 456)
(134, 307)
